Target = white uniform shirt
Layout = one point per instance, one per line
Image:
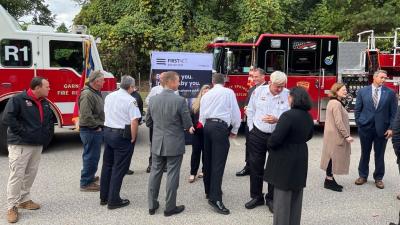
(263, 103)
(155, 91)
(220, 103)
(120, 108)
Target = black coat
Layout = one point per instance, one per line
(287, 162)
(396, 135)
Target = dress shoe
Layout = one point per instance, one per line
(103, 202)
(398, 197)
(332, 185)
(243, 172)
(219, 207)
(360, 181)
(177, 210)
(153, 210)
(191, 178)
(200, 175)
(12, 215)
(270, 204)
(148, 169)
(337, 183)
(254, 202)
(92, 187)
(165, 169)
(130, 172)
(379, 184)
(207, 196)
(123, 203)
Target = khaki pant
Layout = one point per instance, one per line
(24, 163)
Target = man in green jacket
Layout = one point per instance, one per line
(91, 122)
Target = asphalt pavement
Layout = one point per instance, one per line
(57, 189)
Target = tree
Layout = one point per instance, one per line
(40, 11)
(62, 28)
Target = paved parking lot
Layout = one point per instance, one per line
(57, 189)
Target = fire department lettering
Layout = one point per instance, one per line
(12, 51)
(303, 84)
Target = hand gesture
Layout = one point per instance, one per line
(388, 134)
(270, 119)
(191, 130)
(349, 139)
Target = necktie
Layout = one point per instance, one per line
(375, 97)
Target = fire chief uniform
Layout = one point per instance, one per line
(218, 111)
(120, 109)
(262, 103)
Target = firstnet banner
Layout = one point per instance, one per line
(194, 69)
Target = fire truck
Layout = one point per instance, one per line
(39, 51)
(314, 62)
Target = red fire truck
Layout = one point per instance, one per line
(314, 62)
(58, 57)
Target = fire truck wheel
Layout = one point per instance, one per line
(3, 136)
(50, 138)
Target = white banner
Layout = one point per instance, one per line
(181, 61)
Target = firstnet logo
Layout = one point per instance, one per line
(177, 61)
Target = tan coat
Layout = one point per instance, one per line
(335, 146)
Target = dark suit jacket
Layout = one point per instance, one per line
(287, 162)
(367, 117)
(169, 115)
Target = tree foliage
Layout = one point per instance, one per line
(130, 29)
(37, 8)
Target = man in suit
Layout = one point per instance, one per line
(259, 79)
(169, 115)
(375, 111)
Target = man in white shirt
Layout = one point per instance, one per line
(219, 110)
(266, 105)
(121, 125)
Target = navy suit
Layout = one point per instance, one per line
(372, 124)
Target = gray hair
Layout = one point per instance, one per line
(379, 71)
(260, 71)
(94, 75)
(278, 77)
(218, 78)
(126, 82)
(168, 77)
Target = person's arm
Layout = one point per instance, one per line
(251, 109)
(149, 120)
(134, 129)
(151, 94)
(359, 106)
(280, 133)
(185, 115)
(85, 110)
(235, 114)
(338, 119)
(10, 117)
(393, 109)
(134, 114)
(202, 115)
(396, 134)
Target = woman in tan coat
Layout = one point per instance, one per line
(335, 157)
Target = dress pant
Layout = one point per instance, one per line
(151, 139)
(246, 159)
(197, 149)
(369, 137)
(23, 163)
(173, 170)
(216, 148)
(287, 207)
(257, 143)
(116, 159)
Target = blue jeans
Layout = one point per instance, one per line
(92, 141)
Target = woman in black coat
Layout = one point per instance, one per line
(288, 158)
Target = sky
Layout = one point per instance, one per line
(65, 11)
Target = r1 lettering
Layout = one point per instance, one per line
(12, 51)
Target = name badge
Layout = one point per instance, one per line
(28, 103)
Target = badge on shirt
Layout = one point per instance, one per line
(135, 103)
(263, 98)
(28, 103)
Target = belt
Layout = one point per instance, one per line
(217, 120)
(260, 131)
(118, 130)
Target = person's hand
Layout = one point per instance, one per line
(133, 140)
(232, 135)
(191, 130)
(388, 134)
(245, 110)
(270, 119)
(349, 139)
(98, 129)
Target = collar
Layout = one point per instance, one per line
(218, 85)
(30, 93)
(379, 88)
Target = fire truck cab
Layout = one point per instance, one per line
(310, 61)
(39, 51)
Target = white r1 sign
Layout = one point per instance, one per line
(13, 51)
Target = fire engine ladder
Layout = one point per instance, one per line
(371, 52)
(395, 46)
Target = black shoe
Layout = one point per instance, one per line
(219, 207)
(254, 202)
(123, 203)
(103, 202)
(244, 172)
(332, 185)
(207, 196)
(337, 183)
(130, 172)
(177, 210)
(165, 169)
(270, 205)
(152, 211)
(148, 169)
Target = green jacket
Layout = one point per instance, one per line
(91, 108)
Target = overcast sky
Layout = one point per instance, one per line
(65, 11)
